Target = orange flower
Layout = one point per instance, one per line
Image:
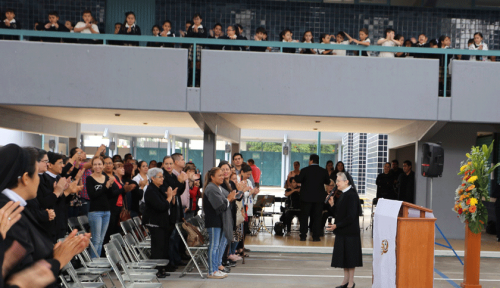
(468, 202)
(463, 184)
(472, 209)
(481, 221)
(470, 188)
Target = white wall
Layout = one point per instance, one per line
(20, 138)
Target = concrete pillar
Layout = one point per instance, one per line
(285, 163)
(209, 146)
(75, 142)
(235, 148)
(186, 150)
(173, 145)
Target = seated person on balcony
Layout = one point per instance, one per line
(216, 33)
(156, 32)
(308, 38)
(10, 23)
(388, 41)
(129, 27)
(339, 39)
(286, 36)
(292, 205)
(118, 27)
(239, 31)
(363, 40)
(54, 25)
(325, 39)
(478, 45)
(407, 43)
(259, 36)
(231, 35)
(86, 27)
(167, 32)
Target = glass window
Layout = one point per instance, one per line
(487, 3)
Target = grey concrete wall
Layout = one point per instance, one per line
(273, 83)
(20, 138)
(457, 139)
(475, 91)
(93, 76)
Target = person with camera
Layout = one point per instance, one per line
(347, 247)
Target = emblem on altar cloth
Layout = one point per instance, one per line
(385, 246)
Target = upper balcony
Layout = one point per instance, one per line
(143, 78)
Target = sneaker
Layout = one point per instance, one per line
(225, 270)
(222, 273)
(233, 257)
(216, 275)
(231, 263)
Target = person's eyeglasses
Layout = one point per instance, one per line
(45, 161)
(160, 177)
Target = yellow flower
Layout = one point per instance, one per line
(472, 179)
(473, 201)
(463, 168)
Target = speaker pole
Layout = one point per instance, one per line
(430, 195)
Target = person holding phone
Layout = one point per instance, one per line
(194, 191)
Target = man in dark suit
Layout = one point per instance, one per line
(406, 183)
(312, 196)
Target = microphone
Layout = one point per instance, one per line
(331, 193)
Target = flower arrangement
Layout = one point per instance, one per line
(473, 190)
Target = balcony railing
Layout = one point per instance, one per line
(105, 38)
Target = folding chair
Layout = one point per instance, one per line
(114, 259)
(138, 223)
(128, 227)
(84, 223)
(81, 281)
(121, 247)
(102, 260)
(137, 253)
(196, 254)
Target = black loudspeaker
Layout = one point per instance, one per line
(432, 160)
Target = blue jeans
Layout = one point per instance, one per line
(216, 247)
(98, 221)
(232, 248)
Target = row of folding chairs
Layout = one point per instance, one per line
(138, 243)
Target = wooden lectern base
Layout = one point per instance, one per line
(472, 259)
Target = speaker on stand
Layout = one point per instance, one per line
(432, 163)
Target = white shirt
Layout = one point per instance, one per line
(346, 189)
(248, 199)
(340, 52)
(128, 26)
(389, 43)
(86, 30)
(138, 178)
(11, 21)
(473, 47)
(51, 174)
(14, 196)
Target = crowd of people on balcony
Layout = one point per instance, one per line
(196, 29)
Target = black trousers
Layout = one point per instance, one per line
(287, 218)
(160, 238)
(315, 209)
(113, 226)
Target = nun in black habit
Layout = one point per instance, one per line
(19, 182)
(347, 247)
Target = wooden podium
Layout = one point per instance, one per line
(414, 249)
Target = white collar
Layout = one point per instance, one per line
(51, 174)
(128, 26)
(14, 196)
(12, 21)
(200, 27)
(168, 33)
(346, 189)
(307, 42)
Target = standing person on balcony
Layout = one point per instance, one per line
(325, 39)
(478, 45)
(388, 41)
(195, 31)
(231, 35)
(10, 23)
(422, 42)
(54, 25)
(130, 27)
(255, 172)
(86, 27)
(286, 36)
(308, 38)
(216, 33)
(363, 40)
(339, 39)
(347, 252)
(167, 32)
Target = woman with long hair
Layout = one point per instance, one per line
(218, 220)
